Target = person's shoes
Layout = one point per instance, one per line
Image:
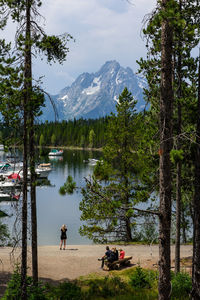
(63, 248)
(99, 259)
(60, 248)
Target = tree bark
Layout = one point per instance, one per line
(196, 233)
(27, 63)
(166, 101)
(31, 147)
(33, 205)
(179, 164)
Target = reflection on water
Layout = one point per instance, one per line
(53, 210)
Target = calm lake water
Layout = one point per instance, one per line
(53, 210)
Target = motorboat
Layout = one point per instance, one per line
(11, 182)
(8, 197)
(42, 170)
(92, 161)
(4, 197)
(55, 152)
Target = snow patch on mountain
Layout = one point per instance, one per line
(95, 95)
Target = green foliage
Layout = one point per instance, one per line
(13, 290)
(113, 189)
(68, 187)
(106, 287)
(4, 234)
(176, 155)
(65, 291)
(91, 138)
(142, 278)
(54, 47)
(181, 285)
(73, 133)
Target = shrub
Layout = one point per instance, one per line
(141, 278)
(106, 287)
(65, 291)
(4, 234)
(181, 284)
(13, 291)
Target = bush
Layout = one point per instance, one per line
(13, 291)
(141, 278)
(65, 291)
(4, 234)
(106, 287)
(181, 284)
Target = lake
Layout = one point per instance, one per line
(53, 210)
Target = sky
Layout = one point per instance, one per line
(103, 30)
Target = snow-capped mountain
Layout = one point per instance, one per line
(95, 95)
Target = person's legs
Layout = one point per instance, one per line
(61, 241)
(64, 244)
(102, 264)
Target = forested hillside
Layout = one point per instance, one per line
(78, 133)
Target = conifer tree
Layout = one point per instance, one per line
(109, 197)
(30, 36)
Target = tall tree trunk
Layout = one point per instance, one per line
(33, 205)
(196, 203)
(178, 218)
(25, 160)
(31, 148)
(24, 207)
(27, 92)
(179, 164)
(166, 100)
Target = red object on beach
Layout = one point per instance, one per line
(14, 176)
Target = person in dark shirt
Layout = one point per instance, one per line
(63, 236)
(106, 256)
(113, 255)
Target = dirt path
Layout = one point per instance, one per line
(77, 260)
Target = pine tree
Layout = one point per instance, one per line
(109, 197)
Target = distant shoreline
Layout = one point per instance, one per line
(72, 148)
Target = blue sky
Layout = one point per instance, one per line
(103, 29)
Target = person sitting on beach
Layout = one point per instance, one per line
(121, 254)
(116, 253)
(113, 255)
(105, 257)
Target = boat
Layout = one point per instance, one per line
(4, 197)
(55, 152)
(42, 170)
(92, 161)
(7, 169)
(11, 182)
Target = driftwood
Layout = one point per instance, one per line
(118, 263)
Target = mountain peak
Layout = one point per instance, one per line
(94, 95)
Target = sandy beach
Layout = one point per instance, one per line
(58, 265)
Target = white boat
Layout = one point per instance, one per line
(8, 197)
(7, 169)
(55, 152)
(92, 161)
(43, 170)
(4, 197)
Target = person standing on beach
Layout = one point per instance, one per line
(63, 237)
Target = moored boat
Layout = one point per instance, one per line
(42, 170)
(55, 152)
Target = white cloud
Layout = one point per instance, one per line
(103, 30)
